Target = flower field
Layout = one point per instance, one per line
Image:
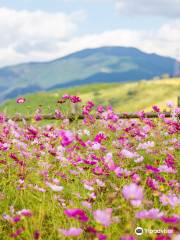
(95, 178)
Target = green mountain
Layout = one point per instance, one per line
(100, 65)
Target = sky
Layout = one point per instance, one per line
(42, 30)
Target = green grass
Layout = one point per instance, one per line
(124, 97)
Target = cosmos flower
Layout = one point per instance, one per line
(54, 187)
(153, 213)
(156, 109)
(103, 216)
(20, 100)
(77, 213)
(72, 232)
(66, 137)
(170, 199)
(170, 104)
(18, 232)
(173, 219)
(25, 213)
(75, 99)
(133, 193)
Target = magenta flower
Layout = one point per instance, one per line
(72, 232)
(20, 100)
(152, 183)
(36, 235)
(25, 213)
(18, 232)
(103, 216)
(16, 219)
(133, 193)
(152, 168)
(66, 137)
(173, 219)
(2, 118)
(101, 236)
(149, 214)
(156, 109)
(77, 213)
(75, 99)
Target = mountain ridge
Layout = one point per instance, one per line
(104, 64)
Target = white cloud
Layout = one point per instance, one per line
(33, 32)
(164, 41)
(166, 8)
(40, 36)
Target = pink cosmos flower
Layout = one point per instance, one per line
(20, 100)
(170, 161)
(146, 145)
(58, 114)
(165, 168)
(67, 137)
(86, 204)
(152, 183)
(101, 236)
(75, 99)
(66, 96)
(170, 104)
(25, 213)
(153, 213)
(98, 170)
(176, 237)
(152, 168)
(54, 187)
(136, 178)
(18, 232)
(72, 232)
(170, 199)
(2, 118)
(156, 109)
(109, 161)
(77, 213)
(103, 216)
(16, 219)
(100, 109)
(36, 235)
(173, 219)
(126, 153)
(134, 193)
(96, 146)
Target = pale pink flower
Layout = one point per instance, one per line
(133, 193)
(72, 232)
(170, 199)
(165, 168)
(126, 153)
(54, 187)
(153, 213)
(103, 216)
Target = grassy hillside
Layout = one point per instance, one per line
(124, 97)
